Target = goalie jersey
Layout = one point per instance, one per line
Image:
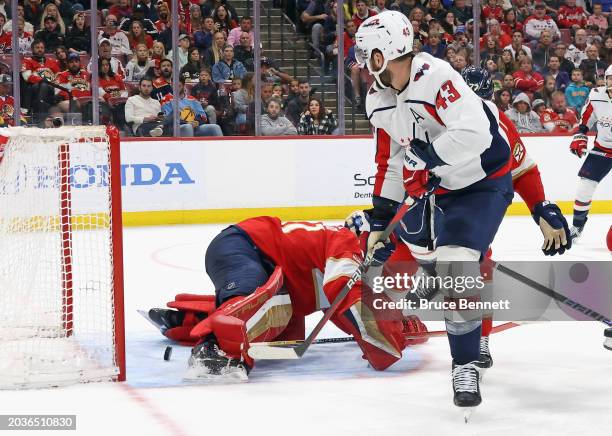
(333, 250)
(438, 107)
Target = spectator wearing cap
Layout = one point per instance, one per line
(76, 83)
(543, 50)
(51, 9)
(527, 80)
(227, 68)
(125, 24)
(139, 66)
(592, 67)
(271, 74)
(78, 36)
(120, 45)
(462, 12)
(576, 52)
(243, 52)
(571, 16)
(598, 18)
(105, 52)
(510, 23)
(183, 50)
(517, 44)
(553, 69)
(7, 101)
(523, 117)
(50, 34)
(540, 21)
(233, 38)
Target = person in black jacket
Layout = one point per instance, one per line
(191, 70)
(50, 35)
(78, 36)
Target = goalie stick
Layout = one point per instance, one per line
(432, 334)
(296, 351)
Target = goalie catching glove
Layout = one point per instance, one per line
(554, 228)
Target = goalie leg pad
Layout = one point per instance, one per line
(261, 316)
(379, 333)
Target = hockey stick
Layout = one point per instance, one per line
(552, 294)
(293, 351)
(432, 334)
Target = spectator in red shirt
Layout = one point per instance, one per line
(494, 30)
(121, 10)
(77, 82)
(559, 118)
(37, 71)
(137, 36)
(164, 18)
(510, 24)
(527, 80)
(363, 12)
(571, 16)
(493, 10)
(113, 94)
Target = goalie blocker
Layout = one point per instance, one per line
(268, 276)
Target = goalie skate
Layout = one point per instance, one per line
(209, 363)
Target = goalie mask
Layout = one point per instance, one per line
(389, 32)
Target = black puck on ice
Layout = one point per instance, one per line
(168, 353)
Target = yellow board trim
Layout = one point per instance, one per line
(210, 216)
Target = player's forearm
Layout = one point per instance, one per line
(529, 186)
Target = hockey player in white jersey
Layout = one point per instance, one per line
(597, 110)
(429, 122)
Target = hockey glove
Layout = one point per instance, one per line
(554, 228)
(420, 183)
(425, 152)
(579, 144)
(361, 224)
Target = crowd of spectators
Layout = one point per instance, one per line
(134, 38)
(544, 57)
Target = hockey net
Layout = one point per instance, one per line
(61, 278)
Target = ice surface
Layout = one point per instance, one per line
(550, 378)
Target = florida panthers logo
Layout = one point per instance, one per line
(421, 72)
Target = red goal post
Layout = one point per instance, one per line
(61, 257)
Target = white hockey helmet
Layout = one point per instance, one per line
(390, 32)
(607, 74)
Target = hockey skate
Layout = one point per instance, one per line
(608, 340)
(576, 231)
(485, 360)
(208, 362)
(466, 387)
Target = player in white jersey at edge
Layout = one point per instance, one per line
(597, 110)
(429, 122)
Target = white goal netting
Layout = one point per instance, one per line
(58, 317)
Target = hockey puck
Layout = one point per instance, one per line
(168, 353)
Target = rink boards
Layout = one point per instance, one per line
(169, 181)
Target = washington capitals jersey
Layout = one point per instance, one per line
(438, 107)
(316, 259)
(598, 110)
